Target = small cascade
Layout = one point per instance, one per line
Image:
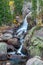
(23, 28)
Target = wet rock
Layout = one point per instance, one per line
(17, 58)
(15, 42)
(34, 61)
(10, 48)
(24, 50)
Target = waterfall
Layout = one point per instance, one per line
(23, 28)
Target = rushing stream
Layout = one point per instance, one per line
(21, 30)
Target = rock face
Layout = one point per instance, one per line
(34, 41)
(34, 61)
(26, 8)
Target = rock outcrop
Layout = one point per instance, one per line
(34, 41)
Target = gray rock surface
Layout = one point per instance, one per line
(3, 48)
(34, 61)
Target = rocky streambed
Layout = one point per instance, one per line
(15, 53)
(9, 48)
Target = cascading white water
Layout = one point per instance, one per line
(23, 28)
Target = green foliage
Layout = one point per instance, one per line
(41, 4)
(1, 10)
(5, 15)
(36, 42)
(34, 8)
(18, 6)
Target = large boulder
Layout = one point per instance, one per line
(15, 42)
(17, 58)
(3, 51)
(34, 41)
(34, 61)
(3, 48)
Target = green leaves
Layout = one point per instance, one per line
(41, 5)
(36, 5)
(5, 13)
(34, 8)
(18, 6)
(5, 16)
